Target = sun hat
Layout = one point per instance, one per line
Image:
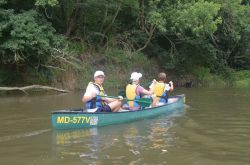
(99, 73)
(135, 76)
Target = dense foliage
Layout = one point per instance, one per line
(185, 36)
(27, 40)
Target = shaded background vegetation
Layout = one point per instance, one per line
(62, 42)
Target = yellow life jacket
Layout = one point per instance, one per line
(100, 88)
(159, 88)
(131, 93)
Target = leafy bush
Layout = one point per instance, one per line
(26, 38)
(117, 57)
(242, 78)
(201, 73)
(240, 75)
(27, 42)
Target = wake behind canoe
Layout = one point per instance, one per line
(72, 119)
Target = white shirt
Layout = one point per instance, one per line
(91, 88)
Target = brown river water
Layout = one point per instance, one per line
(212, 129)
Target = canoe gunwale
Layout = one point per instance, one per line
(80, 111)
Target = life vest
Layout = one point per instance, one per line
(159, 91)
(96, 102)
(131, 95)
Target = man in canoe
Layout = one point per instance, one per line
(135, 91)
(95, 96)
(161, 89)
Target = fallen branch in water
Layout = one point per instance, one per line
(25, 88)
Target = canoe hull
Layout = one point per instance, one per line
(73, 119)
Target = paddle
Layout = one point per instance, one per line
(122, 93)
(144, 102)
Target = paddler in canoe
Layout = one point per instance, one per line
(135, 92)
(161, 89)
(94, 97)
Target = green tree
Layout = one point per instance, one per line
(232, 36)
(27, 40)
(188, 39)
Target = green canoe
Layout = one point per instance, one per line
(72, 119)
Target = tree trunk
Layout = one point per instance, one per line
(112, 22)
(151, 32)
(25, 88)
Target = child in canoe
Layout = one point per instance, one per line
(161, 89)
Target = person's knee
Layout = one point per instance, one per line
(118, 103)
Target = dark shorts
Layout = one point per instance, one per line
(104, 108)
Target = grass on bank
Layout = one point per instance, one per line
(238, 79)
(242, 78)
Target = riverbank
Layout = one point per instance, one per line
(117, 65)
(242, 78)
(73, 72)
(118, 74)
(118, 70)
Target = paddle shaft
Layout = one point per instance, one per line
(144, 102)
(115, 97)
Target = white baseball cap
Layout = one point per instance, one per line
(99, 73)
(135, 76)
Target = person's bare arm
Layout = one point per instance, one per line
(86, 98)
(110, 100)
(146, 92)
(171, 86)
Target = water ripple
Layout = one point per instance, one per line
(24, 135)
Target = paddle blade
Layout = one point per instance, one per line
(144, 102)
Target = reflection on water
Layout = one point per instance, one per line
(117, 143)
(158, 135)
(65, 137)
